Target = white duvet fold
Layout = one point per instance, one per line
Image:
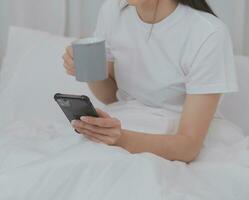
(50, 161)
(42, 160)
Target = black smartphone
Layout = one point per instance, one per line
(75, 106)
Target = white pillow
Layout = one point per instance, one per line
(36, 75)
(20, 42)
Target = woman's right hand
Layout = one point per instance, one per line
(68, 61)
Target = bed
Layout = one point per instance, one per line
(42, 158)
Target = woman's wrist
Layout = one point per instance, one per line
(122, 139)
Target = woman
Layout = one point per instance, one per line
(171, 56)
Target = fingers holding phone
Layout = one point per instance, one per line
(104, 129)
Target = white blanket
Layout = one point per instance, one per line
(49, 161)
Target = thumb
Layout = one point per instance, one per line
(103, 114)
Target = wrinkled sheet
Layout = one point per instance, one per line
(50, 161)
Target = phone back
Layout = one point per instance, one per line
(75, 106)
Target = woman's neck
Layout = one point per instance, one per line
(156, 10)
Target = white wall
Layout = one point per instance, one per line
(47, 15)
(3, 27)
(233, 13)
(69, 17)
(82, 16)
(246, 47)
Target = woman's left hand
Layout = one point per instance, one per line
(103, 129)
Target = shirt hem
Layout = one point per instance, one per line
(212, 89)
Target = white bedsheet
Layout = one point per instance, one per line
(49, 161)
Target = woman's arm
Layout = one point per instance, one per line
(104, 90)
(197, 115)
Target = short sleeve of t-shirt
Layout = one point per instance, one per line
(102, 31)
(213, 68)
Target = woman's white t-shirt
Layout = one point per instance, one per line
(189, 52)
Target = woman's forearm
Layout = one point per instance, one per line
(105, 90)
(171, 147)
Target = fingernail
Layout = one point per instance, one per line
(73, 122)
(83, 118)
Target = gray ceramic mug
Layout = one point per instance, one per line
(90, 59)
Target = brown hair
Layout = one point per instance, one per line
(201, 5)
